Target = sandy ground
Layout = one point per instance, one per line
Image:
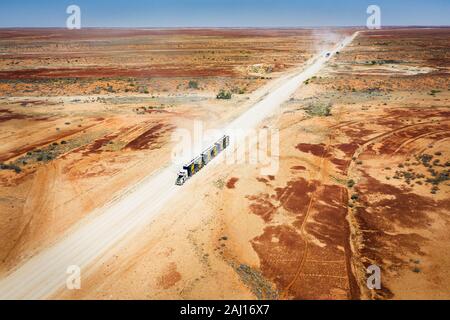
(75, 148)
(55, 62)
(362, 179)
(340, 201)
(92, 238)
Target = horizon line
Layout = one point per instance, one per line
(233, 27)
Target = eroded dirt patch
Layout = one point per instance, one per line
(231, 183)
(170, 277)
(307, 258)
(148, 139)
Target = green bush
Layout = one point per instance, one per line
(193, 84)
(223, 94)
(433, 92)
(319, 109)
(238, 90)
(10, 166)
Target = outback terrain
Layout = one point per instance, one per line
(363, 169)
(72, 139)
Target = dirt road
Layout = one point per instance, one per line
(46, 272)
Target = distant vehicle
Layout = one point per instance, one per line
(328, 54)
(202, 160)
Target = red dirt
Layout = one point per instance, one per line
(280, 257)
(232, 183)
(315, 149)
(148, 139)
(348, 148)
(406, 209)
(23, 149)
(341, 164)
(263, 180)
(170, 277)
(395, 140)
(296, 195)
(262, 206)
(147, 72)
(329, 221)
(378, 221)
(98, 144)
(325, 273)
(97, 34)
(6, 115)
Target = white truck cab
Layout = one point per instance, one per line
(182, 177)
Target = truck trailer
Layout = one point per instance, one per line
(194, 166)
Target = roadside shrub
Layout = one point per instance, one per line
(97, 90)
(319, 109)
(238, 90)
(193, 84)
(223, 94)
(10, 166)
(433, 92)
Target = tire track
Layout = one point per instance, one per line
(322, 174)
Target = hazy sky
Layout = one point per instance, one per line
(222, 13)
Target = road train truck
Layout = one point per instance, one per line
(202, 160)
